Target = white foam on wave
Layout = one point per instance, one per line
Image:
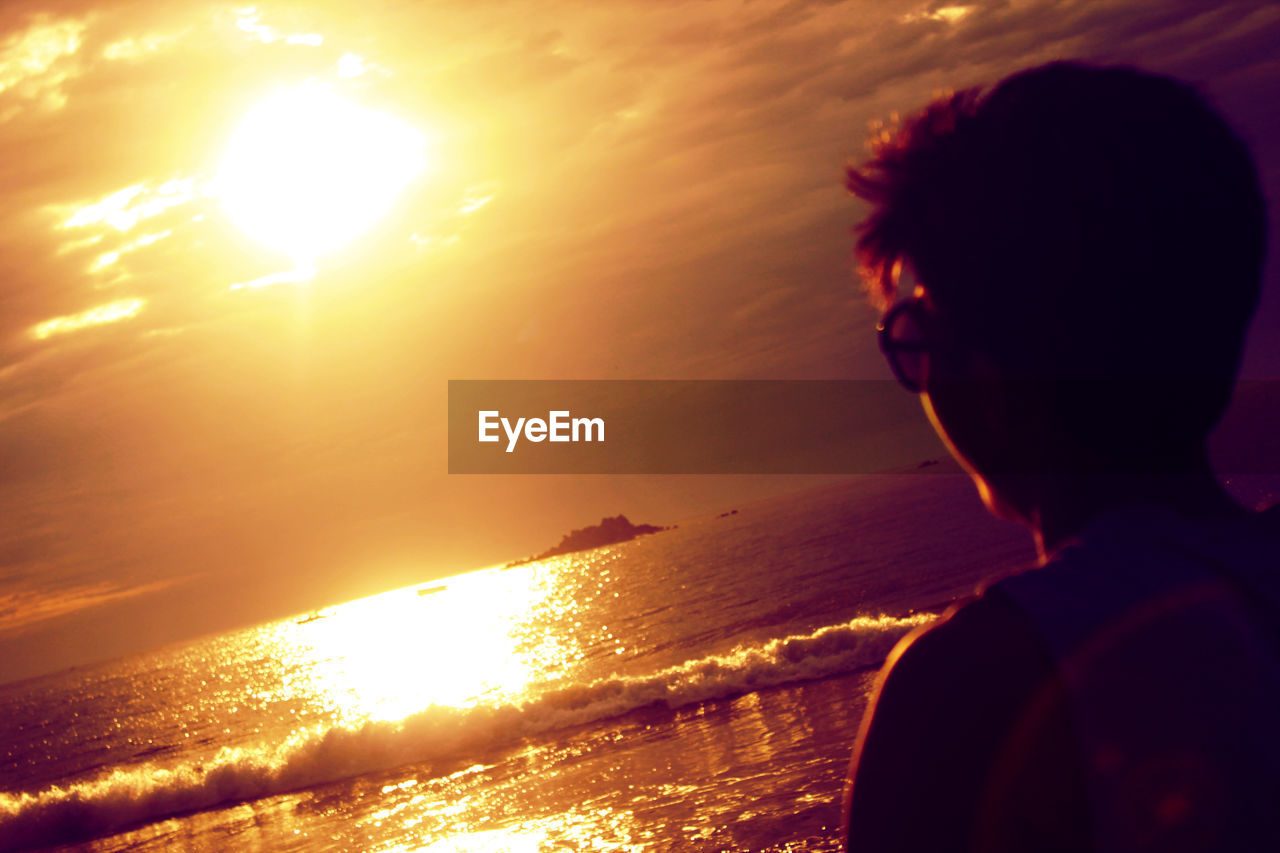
(138, 794)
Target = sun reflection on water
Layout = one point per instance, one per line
(480, 637)
(487, 841)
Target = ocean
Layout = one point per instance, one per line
(696, 689)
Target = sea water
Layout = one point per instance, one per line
(696, 689)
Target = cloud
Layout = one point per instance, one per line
(112, 312)
(141, 47)
(35, 63)
(19, 610)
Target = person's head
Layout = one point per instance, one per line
(1088, 243)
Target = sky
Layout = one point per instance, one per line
(207, 421)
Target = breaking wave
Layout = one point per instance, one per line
(130, 796)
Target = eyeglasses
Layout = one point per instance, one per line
(903, 341)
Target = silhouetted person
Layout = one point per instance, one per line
(1086, 246)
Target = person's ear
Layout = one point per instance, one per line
(976, 413)
(966, 399)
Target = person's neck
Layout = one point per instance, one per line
(1069, 503)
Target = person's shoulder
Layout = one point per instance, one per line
(969, 670)
(949, 698)
(980, 634)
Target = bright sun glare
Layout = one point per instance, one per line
(308, 171)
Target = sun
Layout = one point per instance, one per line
(307, 170)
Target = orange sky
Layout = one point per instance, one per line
(610, 190)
